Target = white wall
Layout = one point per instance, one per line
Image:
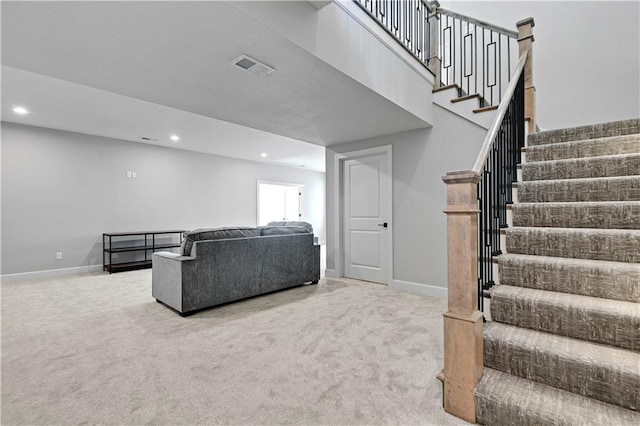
(62, 190)
(420, 159)
(345, 37)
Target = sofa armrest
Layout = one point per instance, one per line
(172, 255)
(168, 270)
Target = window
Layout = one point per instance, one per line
(279, 202)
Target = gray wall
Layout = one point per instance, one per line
(420, 159)
(62, 190)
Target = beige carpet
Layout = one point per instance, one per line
(99, 349)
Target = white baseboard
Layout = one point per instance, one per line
(424, 289)
(50, 273)
(331, 273)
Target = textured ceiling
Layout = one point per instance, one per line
(178, 54)
(62, 105)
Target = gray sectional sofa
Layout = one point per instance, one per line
(217, 266)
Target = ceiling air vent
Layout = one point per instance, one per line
(253, 66)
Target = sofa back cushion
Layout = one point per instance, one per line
(306, 225)
(215, 234)
(283, 230)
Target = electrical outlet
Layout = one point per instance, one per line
(58, 255)
(134, 175)
(128, 173)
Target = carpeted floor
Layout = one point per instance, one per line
(99, 349)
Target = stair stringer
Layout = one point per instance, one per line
(464, 108)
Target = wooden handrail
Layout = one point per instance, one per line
(496, 28)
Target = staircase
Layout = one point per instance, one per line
(472, 107)
(563, 346)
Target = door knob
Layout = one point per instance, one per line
(384, 225)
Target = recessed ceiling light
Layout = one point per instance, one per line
(264, 154)
(20, 110)
(175, 138)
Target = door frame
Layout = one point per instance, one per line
(338, 214)
(274, 182)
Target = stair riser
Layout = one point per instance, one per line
(588, 244)
(570, 321)
(603, 382)
(629, 144)
(596, 167)
(619, 282)
(611, 189)
(603, 216)
(618, 128)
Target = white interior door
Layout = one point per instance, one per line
(367, 197)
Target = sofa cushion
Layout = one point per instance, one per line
(283, 230)
(215, 234)
(299, 224)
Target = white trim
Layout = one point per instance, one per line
(331, 273)
(378, 32)
(419, 288)
(338, 165)
(50, 273)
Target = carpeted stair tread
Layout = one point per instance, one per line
(601, 130)
(580, 168)
(595, 278)
(615, 145)
(618, 245)
(605, 215)
(589, 369)
(609, 322)
(563, 346)
(509, 400)
(623, 188)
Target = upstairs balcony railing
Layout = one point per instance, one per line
(410, 21)
(473, 55)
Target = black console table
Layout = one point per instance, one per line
(136, 247)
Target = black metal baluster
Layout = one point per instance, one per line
(508, 55)
(480, 246)
(452, 47)
(499, 55)
(475, 57)
(484, 69)
(461, 41)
